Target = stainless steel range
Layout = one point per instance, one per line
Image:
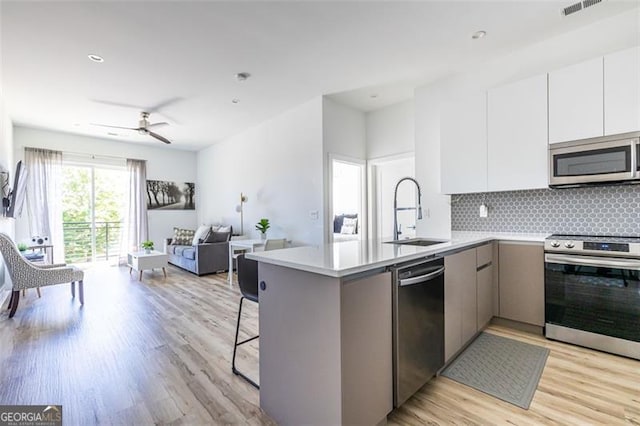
(592, 292)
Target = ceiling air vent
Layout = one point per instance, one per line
(577, 7)
(589, 3)
(572, 9)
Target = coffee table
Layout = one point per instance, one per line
(140, 261)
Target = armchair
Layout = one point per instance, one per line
(25, 274)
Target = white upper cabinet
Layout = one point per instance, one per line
(622, 92)
(463, 141)
(576, 104)
(517, 135)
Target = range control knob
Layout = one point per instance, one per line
(555, 244)
(569, 245)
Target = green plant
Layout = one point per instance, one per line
(22, 247)
(147, 245)
(263, 225)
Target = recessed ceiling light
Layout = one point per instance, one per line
(95, 58)
(76, 124)
(112, 134)
(478, 35)
(235, 101)
(242, 76)
(373, 96)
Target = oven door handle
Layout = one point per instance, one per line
(592, 261)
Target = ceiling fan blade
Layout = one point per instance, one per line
(160, 138)
(116, 104)
(113, 127)
(163, 104)
(162, 123)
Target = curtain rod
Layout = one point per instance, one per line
(93, 156)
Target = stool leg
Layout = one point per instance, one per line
(235, 342)
(15, 298)
(235, 347)
(81, 289)
(38, 290)
(73, 289)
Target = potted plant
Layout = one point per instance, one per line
(262, 226)
(147, 246)
(22, 247)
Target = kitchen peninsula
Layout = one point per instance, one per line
(326, 326)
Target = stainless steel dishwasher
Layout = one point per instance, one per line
(418, 325)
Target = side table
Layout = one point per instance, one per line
(140, 261)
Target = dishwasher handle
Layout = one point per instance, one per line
(422, 278)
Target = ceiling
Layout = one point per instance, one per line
(179, 59)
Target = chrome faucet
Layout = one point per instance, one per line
(396, 209)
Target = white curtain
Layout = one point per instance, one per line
(136, 224)
(44, 196)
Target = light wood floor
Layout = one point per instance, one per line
(160, 352)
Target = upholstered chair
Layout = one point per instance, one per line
(25, 274)
(275, 244)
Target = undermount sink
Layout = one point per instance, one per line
(417, 242)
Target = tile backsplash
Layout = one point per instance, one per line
(601, 210)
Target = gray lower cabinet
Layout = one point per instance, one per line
(468, 296)
(459, 300)
(484, 284)
(325, 347)
(522, 282)
(484, 279)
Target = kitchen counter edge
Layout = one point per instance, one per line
(459, 241)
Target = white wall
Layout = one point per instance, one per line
(391, 130)
(7, 225)
(343, 137)
(609, 35)
(278, 165)
(7, 164)
(162, 164)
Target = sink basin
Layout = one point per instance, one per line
(417, 242)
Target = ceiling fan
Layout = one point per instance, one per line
(143, 127)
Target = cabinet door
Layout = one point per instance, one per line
(484, 279)
(459, 276)
(517, 135)
(463, 145)
(469, 302)
(522, 282)
(622, 91)
(576, 102)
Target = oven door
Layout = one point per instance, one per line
(600, 295)
(575, 163)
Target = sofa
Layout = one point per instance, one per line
(209, 254)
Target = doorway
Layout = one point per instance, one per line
(384, 174)
(347, 199)
(93, 200)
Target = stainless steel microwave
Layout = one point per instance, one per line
(602, 160)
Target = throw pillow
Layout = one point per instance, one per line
(348, 229)
(182, 237)
(216, 237)
(349, 226)
(219, 237)
(201, 232)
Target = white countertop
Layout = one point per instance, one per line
(352, 257)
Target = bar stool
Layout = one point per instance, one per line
(248, 281)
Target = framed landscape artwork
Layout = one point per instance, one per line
(165, 195)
